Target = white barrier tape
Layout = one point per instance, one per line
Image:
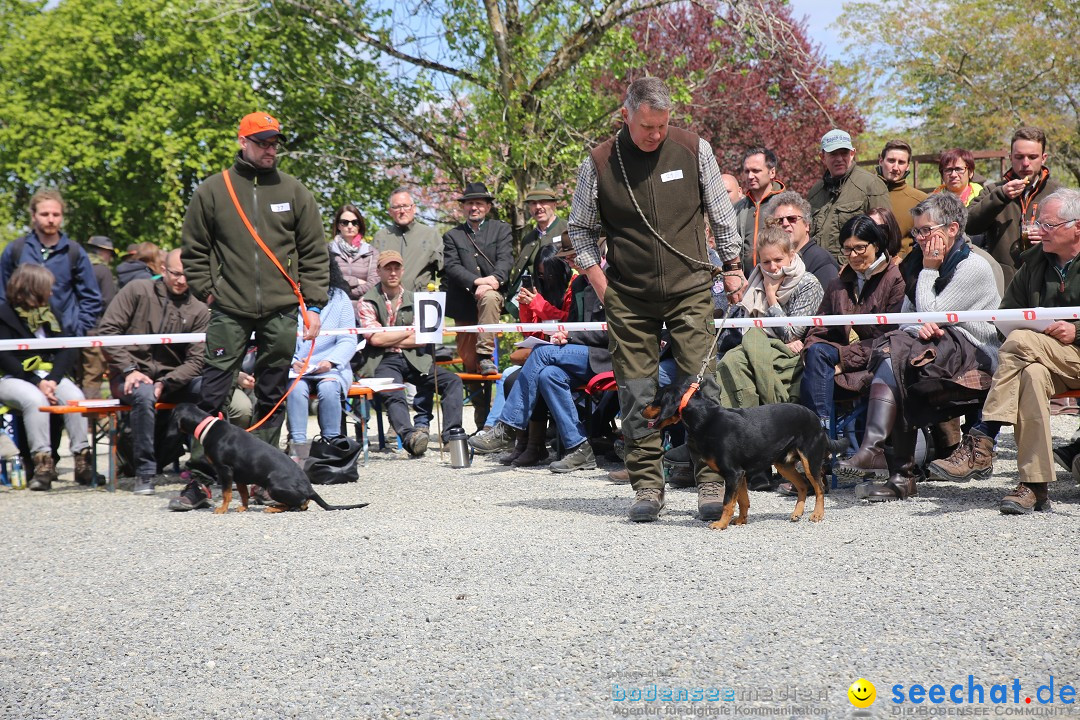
(942, 318)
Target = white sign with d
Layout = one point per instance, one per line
(430, 314)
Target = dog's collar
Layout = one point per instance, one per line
(686, 397)
(204, 425)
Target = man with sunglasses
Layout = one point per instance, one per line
(245, 289)
(1032, 365)
(791, 213)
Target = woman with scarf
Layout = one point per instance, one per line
(33, 379)
(356, 258)
(957, 167)
(925, 374)
(765, 367)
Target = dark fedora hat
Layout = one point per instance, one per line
(100, 241)
(541, 191)
(476, 191)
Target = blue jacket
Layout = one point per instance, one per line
(75, 300)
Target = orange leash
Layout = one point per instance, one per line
(295, 288)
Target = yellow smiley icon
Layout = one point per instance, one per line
(862, 693)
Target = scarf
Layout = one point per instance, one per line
(38, 317)
(754, 301)
(346, 249)
(912, 266)
(862, 278)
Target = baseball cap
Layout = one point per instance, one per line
(388, 256)
(259, 126)
(834, 140)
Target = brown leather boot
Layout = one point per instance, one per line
(44, 471)
(536, 451)
(903, 472)
(946, 437)
(84, 467)
(521, 441)
(869, 461)
(1028, 497)
(973, 459)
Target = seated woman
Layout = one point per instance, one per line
(548, 300)
(766, 367)
(329, 369)
(957, 167)
(354, 256)
(897, 244)
(552, 372)
(838, 355)
(33, 379)
(925, 374)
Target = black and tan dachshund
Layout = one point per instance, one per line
(737, 442)
(240, 456)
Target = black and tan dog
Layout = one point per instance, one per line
(239, 455)
(737, 442)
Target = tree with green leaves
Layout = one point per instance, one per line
(967, 73)
(128, 105)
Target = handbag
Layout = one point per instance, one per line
(332, 461)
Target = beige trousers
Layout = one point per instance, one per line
(1032, 367)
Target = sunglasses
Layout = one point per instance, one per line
(783, 220)
(354, 223)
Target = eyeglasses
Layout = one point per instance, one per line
(783, 220)
(266, 144)
(954, 170)
(1047, 227)
(850, 250)
(354, 223)
(920, 233)
(174, 273)
(399, 208)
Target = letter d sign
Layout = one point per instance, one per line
(428, 322)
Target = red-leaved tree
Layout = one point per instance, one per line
(743, 93)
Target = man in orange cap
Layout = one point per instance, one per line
(246, 291)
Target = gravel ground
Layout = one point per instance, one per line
(488, 593)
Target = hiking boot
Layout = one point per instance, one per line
(144, 485)
(1025, 499)
(580, 458)
(897, 487)
(973, 460)
(648, 502)
(44, 472)
(195, 495)
(84, 468)
(416, 443)
(1066, 455)
(761, 481)
(487, 366)
(621, 476)
(710, 501)
(678, 467)
(521, 442)
(495, 440)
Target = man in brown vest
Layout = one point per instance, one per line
(649, 190)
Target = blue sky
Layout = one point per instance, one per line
(820, 14)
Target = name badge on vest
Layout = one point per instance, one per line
(671, 175)
(284, 207)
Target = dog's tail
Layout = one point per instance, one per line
(326, 506)
(837, 446)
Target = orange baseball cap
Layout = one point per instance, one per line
(259, 126)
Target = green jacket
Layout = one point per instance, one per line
(222, 259)
(417, 358)
(858, 192)
(1039, 283)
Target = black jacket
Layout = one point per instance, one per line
(12, 327)
(468, 256)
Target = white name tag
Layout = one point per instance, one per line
(285, 207)
(671, 175)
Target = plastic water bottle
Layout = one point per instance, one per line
(17, 474)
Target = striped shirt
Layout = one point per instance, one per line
(584, 219)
